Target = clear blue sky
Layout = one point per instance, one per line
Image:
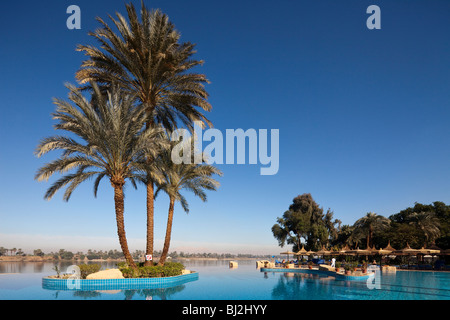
(363, 117)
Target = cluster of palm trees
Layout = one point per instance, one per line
(13, 251)
(422, 225)
(141, 88)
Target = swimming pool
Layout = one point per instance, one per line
(218, 282)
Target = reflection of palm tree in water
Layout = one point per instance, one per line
(161, 293)
(87, 294)
(293, 287)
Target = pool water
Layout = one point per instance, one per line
(23, 281)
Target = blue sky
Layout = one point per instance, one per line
(363, 117)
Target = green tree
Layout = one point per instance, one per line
(38, 252)
(441, 220)
(367, 225)
(66, 255)
(304, 219)
(428, 223)
(344, 235)
(401, 234)
(147, 58)
(111, 145)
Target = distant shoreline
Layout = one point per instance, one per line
(52, 259)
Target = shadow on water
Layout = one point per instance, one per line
(47, 266)
(292, 286)
(129, 294)
(403, 285)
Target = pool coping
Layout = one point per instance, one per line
(117, 284)
(317, 271)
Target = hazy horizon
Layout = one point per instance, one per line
(362, 118)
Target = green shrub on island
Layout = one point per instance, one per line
(169, 269)
(87, 269)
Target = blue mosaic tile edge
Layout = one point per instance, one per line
(117, 284)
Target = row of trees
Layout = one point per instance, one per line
(142, 88)
(63, 254)
(305, 223)
(10, 252)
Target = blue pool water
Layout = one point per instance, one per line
(217, 282)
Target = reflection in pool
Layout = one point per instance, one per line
(218, 282)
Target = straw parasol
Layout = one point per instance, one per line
(388, 247)
(323, 252)
(344, 251)
(407, 251)
(359, 251)
(288, 253)
(384, 251)
(426, 251)
(434, 249)
(302, 252)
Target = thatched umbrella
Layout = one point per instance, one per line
(389, 248)
(426, 251)
(302, 252)
(288, 253)
(359, 251)
(342, 251)
(382, 252)
(407, 251)
(323, 252)
(422, 252)
(434, 249)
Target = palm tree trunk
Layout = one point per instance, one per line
(369, 242)
(150, 197)
(119, 206)
(150, 221)
(168, 233)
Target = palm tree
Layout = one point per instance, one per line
(330, 224)
(113, 144)
(428, 223)
(147, 59)
(193, 177)
(366, 226)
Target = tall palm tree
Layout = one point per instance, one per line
(330, 224)
(193, 177)
(428, 223)
(147, 59)
(112, 145)
(367, 225)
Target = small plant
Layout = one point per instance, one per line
(57, 270)
(338, 266)
(154, 271)
(87, 269)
